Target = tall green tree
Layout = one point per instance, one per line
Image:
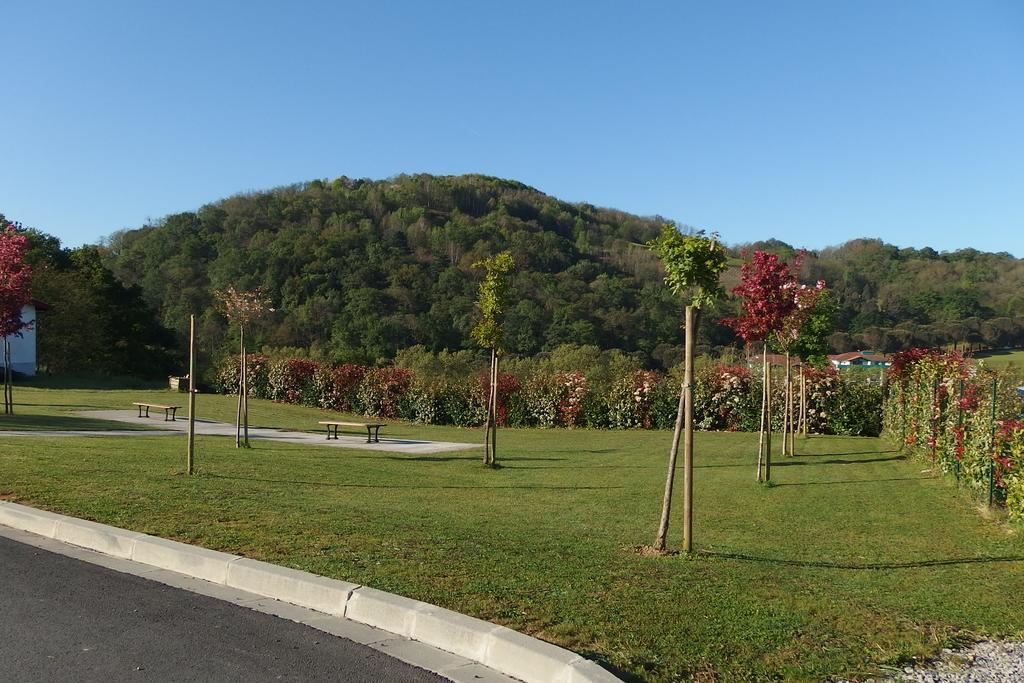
(693, 265)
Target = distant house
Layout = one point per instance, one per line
(860, 359)
(23, 348)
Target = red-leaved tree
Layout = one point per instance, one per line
(15, 294)
(805, 298)
(766, 295)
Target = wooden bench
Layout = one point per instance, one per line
(372, 429)
(169, 411)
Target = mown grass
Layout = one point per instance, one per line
(1002, 358)
(854, 558)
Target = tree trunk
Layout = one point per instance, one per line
(238, 414)
(488, 425)
(691, 330)
(764, 408)
(789, 432)
(8, 388)
(666, 503)
(768, 431)
(191, 453)
(803, 402)
(673, 453)
(785, 411)
(494, 411)
(245, 400)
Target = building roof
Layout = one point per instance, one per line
(40, 305)
(873, 356)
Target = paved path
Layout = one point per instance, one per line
(211, 428)
(62, 619)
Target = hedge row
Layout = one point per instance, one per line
(725, 397)
(944, 408)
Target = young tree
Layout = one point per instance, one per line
(490, 335)
(764, 281)
(804, 300)
(812, 346)
(15, 294)
(241, 308)
(693, 264)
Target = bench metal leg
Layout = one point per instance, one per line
(140, 412)
(375, 435)
(329, 437)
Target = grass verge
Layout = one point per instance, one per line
(854, 558)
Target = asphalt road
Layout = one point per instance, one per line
(62, 619)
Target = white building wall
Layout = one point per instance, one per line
(23, 348)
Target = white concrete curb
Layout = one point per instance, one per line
(496, 647)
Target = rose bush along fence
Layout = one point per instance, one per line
(726, 397)
(961, 417)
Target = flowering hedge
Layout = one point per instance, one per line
(961, 417)
(726, 397)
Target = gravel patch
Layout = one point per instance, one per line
(984, 662)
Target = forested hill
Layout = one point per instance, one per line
(358, 269)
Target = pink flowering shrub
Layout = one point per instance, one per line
(631, 399)
(290, 380)
(383, 392)
(335, 388)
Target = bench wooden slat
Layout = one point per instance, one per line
(170, 412)
(353, 424)
(372, 428)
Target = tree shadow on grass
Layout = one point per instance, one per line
(342, 485)
(818, 564)
(585, 451)
(449, 458)
(838, 461)
(421, 458)
(851, 481)
(77, 406)
(45, 423)
(511, 463)
(824, 455)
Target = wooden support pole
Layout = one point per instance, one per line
(241, 360)
(768, 426)
(191, 394)
(764, 408)
(688, 433)
(245, 400)
(666, 503)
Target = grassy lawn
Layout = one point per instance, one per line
(853, 559)
(1002, 358)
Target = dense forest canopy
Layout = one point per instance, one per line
(359, 269)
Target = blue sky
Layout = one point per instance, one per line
(811, 122)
